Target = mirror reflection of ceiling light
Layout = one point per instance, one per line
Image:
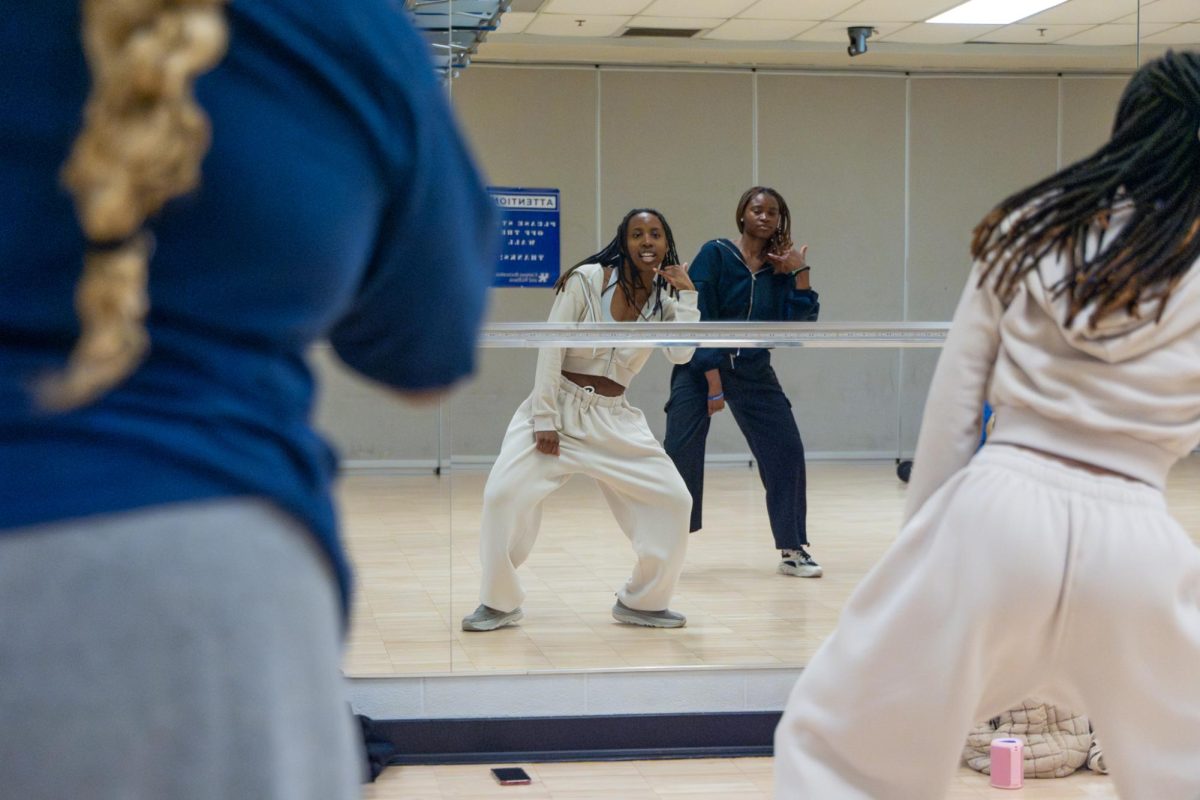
(993, 12)
(455, 28)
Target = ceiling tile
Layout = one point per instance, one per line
(576, 25)
(697, 8)
(836, 32)
(759, 30)
(703, 23)
(791, 9)
(1172, 11)
(1108, 35)
(600, 7)
(514, 21)
(1083, 12)
(1181, 34)
(875, 11)
(925, 33)
(1032, 34)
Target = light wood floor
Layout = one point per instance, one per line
(414, 540)
(692, 779)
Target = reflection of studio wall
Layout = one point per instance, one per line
(886, 175)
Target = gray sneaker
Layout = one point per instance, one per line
(648, 619)
(800, 564)
(488, 619)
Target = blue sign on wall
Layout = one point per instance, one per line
(528, 236)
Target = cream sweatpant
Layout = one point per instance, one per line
(608, 440)
(1020, 577)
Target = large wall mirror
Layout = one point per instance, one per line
(887, 160)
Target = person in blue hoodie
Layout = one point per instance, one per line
(760, 277)
(193, 194)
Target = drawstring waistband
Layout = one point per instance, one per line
(587, 397)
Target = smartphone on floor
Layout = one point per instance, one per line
(511, 776)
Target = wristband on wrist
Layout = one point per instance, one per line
(717, 396)
(794, 273)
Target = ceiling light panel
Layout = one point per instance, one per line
(600, 7)
(726, 9)
(760, 30)
(993, 12)
(792, 9)
(1083, 12)
(454, 31)
(576, 25)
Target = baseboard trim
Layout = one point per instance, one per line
(621, 737)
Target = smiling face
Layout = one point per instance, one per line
(646, 241)
(760, 218)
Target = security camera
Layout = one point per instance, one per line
(858, 39)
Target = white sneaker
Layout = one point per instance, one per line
(486, 618)
(799, 563)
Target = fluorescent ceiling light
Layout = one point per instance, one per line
(993, 12)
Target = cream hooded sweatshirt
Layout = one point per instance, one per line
(1124, 396)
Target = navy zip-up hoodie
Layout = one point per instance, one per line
(729, 292)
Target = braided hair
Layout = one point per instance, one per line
(780, 241)
(142, 142)
(615, 255)
(1150, 166)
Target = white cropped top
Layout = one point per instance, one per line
(583, 300)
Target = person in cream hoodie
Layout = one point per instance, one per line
(1046, 564)
(578, 421)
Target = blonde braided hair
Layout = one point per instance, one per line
(143, 138)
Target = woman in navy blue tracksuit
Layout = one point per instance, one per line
(759, 277)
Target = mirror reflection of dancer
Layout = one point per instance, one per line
(578, 421)
(1047, 564)
(760, 277)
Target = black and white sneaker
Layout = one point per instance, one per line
(799, 563)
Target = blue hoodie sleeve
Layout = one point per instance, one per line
(705, 274)
(800, 305)
(414, 322)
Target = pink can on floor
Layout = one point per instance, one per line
(1008, 763)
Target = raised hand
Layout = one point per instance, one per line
(677, 276)
(790, 261)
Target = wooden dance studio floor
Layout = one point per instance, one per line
(414, 541)
(691, 779)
